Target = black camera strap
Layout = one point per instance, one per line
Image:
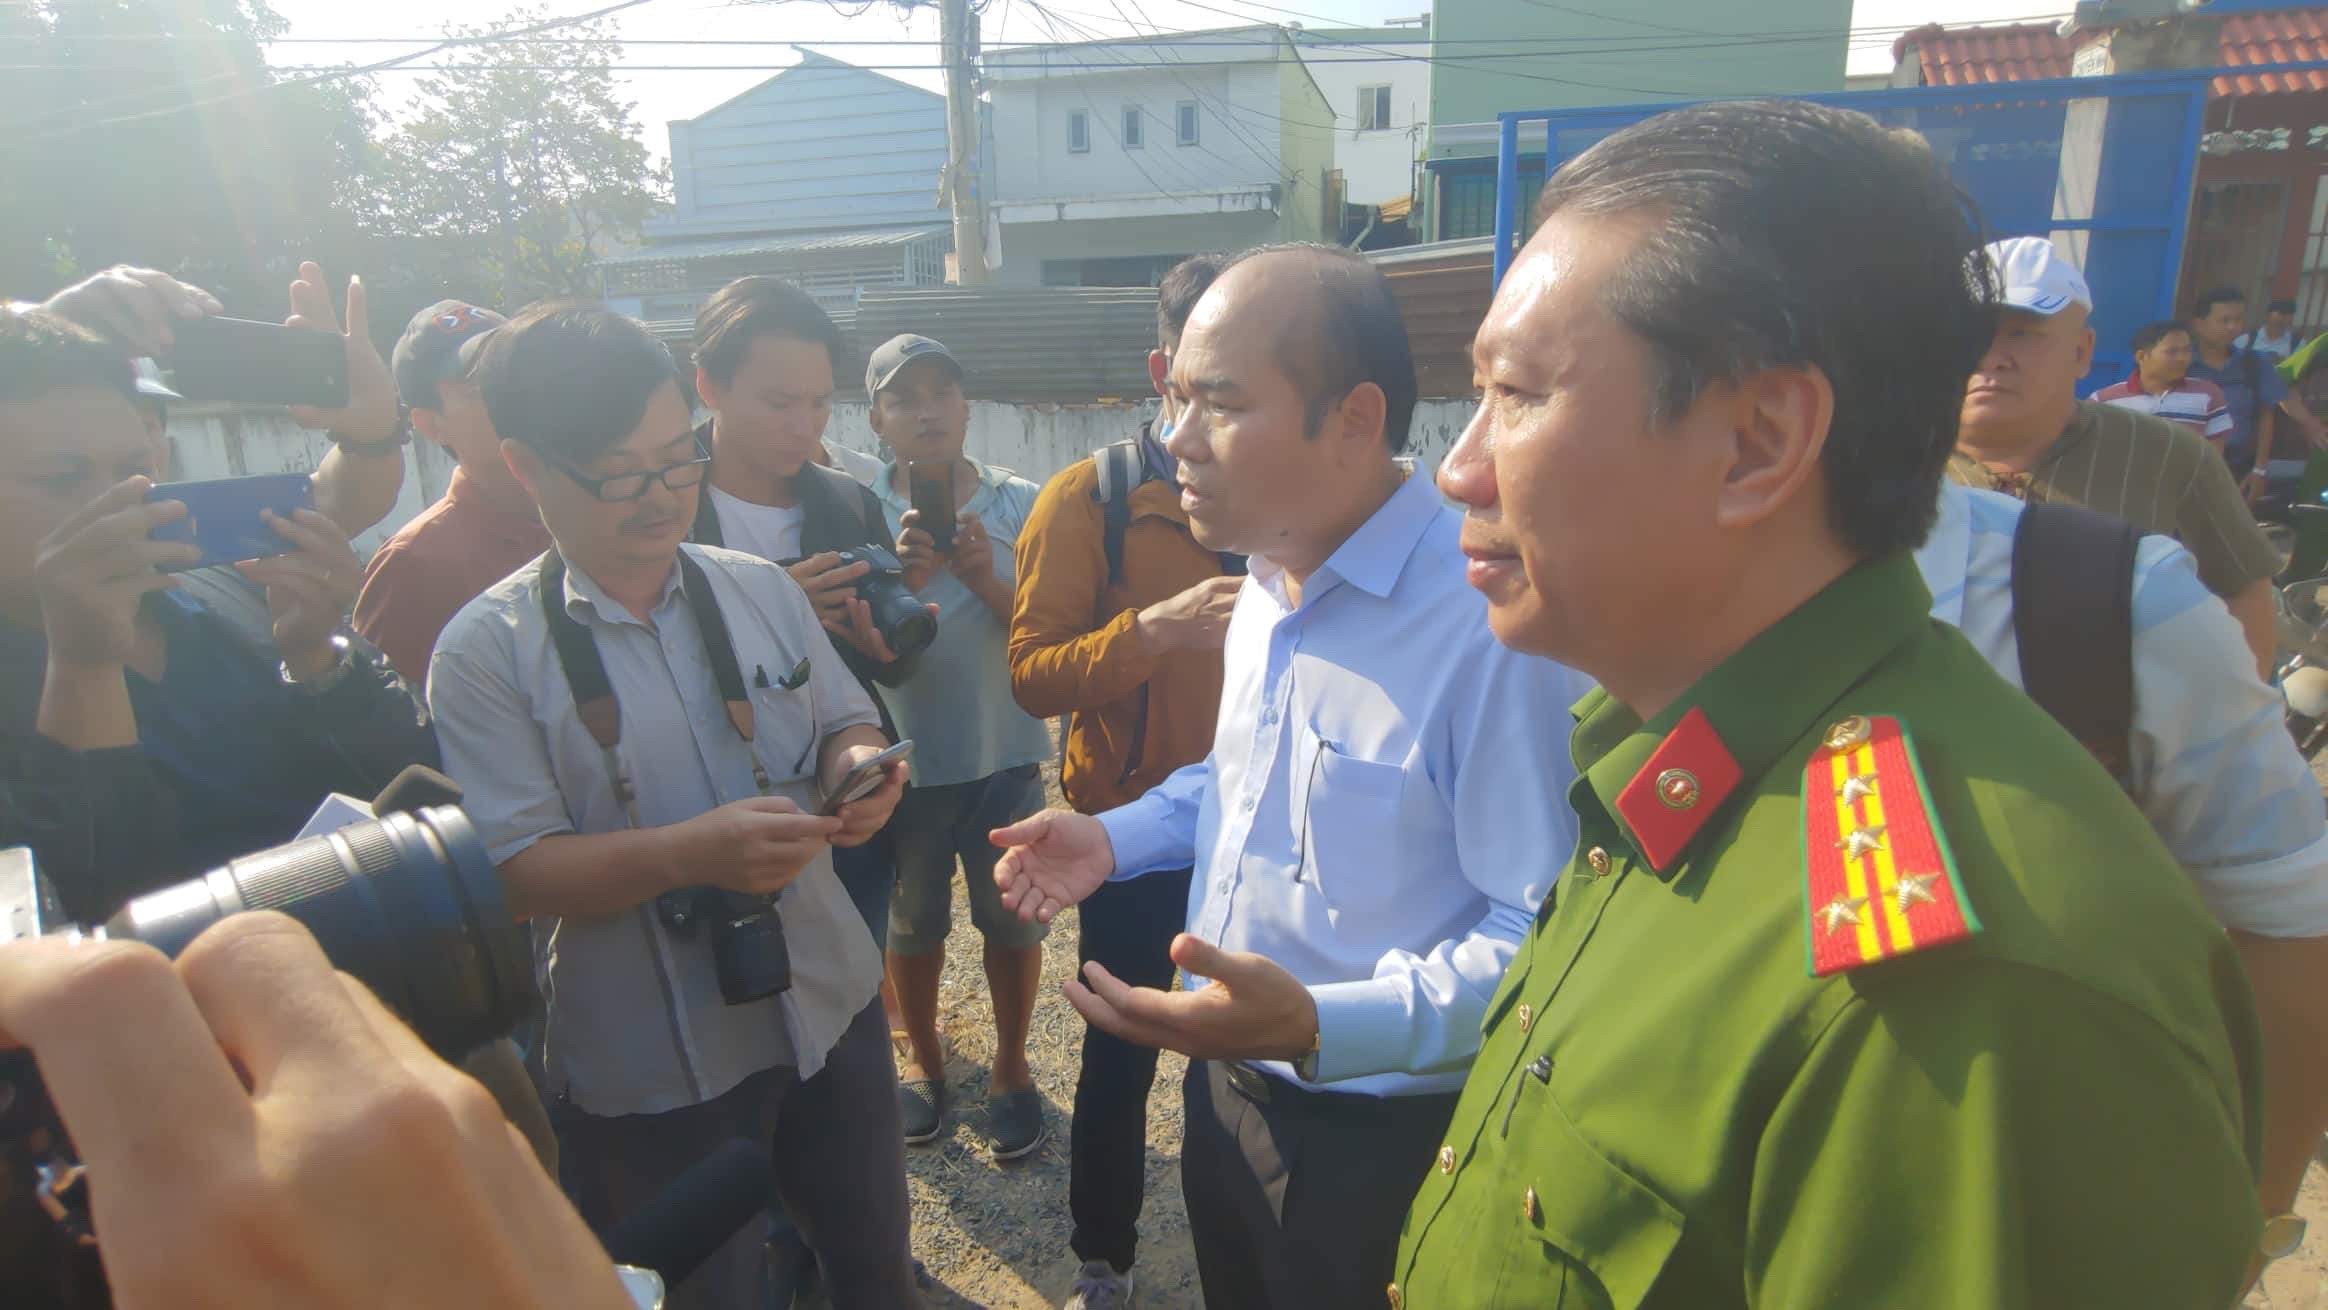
(594, 698)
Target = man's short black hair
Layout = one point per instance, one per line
(759, 306)
(41, 353)
(2287, 307)
(2219, 296)
(1354, 334)
(2151, 334)
(1781, 233)
(1182, 287)
(571, 380)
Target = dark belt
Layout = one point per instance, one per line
(1269, 1089)
(1251, 1083)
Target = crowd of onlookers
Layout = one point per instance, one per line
(1312, 746)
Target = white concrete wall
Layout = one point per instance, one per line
(1376, 165)
(1036, 441)
(1237, 130)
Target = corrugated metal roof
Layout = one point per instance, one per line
(1060, 344)
(816, 243)
(2021, 52)
(1442, 289)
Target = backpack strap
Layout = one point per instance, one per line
(2073, 617)
(1119, 469)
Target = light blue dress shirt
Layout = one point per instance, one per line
(634, 1022)
(2213, 767)
(1386, 801)
(958, 706)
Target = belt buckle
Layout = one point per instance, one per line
(1249, 1082)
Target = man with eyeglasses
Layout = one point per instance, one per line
(647, 731)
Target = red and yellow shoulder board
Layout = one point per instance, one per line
(1881, 881)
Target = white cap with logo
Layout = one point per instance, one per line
(2033, 276)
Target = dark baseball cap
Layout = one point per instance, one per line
(437, 346)
(899, 351)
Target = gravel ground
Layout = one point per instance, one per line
(995, 1235)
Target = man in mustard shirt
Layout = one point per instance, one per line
(1863, 985)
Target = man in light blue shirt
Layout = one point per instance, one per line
(1370, 833)
(977, 755)
(2211, 765)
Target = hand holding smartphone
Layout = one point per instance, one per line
(865, 779)
(932, 485)
(223, 517)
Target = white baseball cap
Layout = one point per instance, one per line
(2033, 276)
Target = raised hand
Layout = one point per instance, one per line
(1051, 861)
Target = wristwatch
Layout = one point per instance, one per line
(387, 445)
(329, 678)
(2283, 1235)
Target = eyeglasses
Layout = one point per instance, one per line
(631, 486)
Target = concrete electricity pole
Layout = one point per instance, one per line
(958, 34)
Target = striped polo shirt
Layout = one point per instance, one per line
(2193, 402)
(2157, 475)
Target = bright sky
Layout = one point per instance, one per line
(904, 42)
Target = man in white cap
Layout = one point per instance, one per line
(2025, 433)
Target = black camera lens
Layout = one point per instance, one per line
(898, 615)
(410, 904)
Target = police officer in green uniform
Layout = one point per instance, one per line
(1864, 985)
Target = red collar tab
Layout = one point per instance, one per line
(1682, 785)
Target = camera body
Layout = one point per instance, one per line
(748, 953)
(900, 617)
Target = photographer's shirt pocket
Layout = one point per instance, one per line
(784, 731)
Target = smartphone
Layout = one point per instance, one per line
(865, 779)
(235, 359)
(222, 517)
(932, 481)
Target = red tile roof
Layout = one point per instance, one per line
(1969, 56)
(2020, 52)
(2285, 36)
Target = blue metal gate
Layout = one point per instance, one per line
(2101, 165)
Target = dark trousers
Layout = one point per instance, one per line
(868, 873)
(1296, 1198)
(1128, 927)
(839, 1152)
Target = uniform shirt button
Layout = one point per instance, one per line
(1527, 1016)
(1528, 1207)
(1446, 1159)
(1247, 805)
(1397, 1298)
(1597, 859)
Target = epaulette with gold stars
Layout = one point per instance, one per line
(1881, 880)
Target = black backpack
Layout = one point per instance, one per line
(1120, 468)
(2073, 616)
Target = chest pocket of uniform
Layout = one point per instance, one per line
(1350, 824)
(784, 731)
(1590, 1236)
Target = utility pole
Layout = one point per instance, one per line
(958, 34)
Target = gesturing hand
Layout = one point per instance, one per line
(1050, 861)
(370, 414)
(97, 567)
(260, 1130)
(755, 846)
(1249, 1007)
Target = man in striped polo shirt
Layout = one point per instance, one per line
(2161, 384)
(2025, 433)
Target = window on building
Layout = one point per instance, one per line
(1078, 131)
(1132, 118)
(1467, 201)
(1186, 120)
(1373, 108)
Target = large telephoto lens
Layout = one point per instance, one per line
(409, 903)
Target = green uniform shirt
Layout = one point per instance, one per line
(1669, 1110)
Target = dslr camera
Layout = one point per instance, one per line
(747, 938)
(902, 620)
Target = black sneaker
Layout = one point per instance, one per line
(921, 1103)
(1014, 1124)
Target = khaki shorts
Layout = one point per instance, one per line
(936, 826)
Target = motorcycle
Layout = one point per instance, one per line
(2302, 626)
